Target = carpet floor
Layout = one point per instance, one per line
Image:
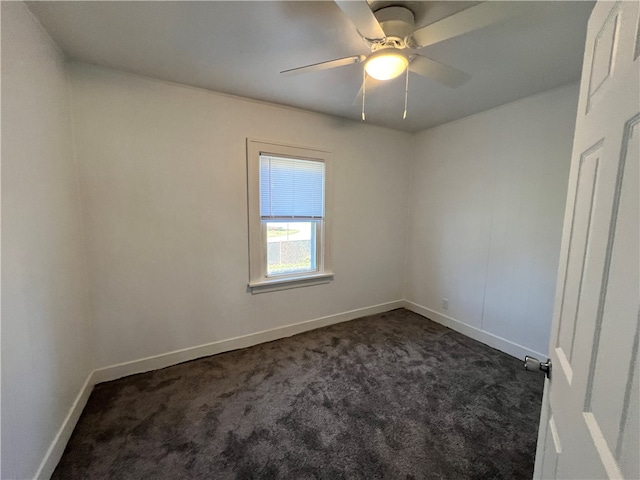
(389, 396)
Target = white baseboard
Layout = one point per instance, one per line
(163, 360)
(499, 343)
(114, 372)
(53, 455)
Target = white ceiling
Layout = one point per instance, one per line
(240, 48)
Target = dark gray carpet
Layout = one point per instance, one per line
(387, 396)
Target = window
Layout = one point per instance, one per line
(288, 216)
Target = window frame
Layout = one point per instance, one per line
(259, 282)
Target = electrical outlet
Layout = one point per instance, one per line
(445, 303)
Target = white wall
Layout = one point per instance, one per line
(485, 222)
(45, 334)
(163, 182)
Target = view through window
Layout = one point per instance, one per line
(291, 247)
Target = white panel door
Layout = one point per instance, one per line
(589, 424)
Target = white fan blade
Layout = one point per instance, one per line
(340, 62)
(438, 71)
(466, 21)
(372, 84)
(362, 17)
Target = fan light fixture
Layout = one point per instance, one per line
(386, 64)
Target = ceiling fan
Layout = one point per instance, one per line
(390, 33)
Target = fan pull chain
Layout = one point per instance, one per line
(406, 94)
(364, 89)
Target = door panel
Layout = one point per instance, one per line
(589, 427)
(552, 451)
(627, 449)
(579, 237)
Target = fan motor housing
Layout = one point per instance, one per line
(397, 23)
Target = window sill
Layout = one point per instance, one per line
(275, 284)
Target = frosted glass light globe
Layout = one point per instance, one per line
(386, 64)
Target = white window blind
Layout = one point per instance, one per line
(291, 188)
